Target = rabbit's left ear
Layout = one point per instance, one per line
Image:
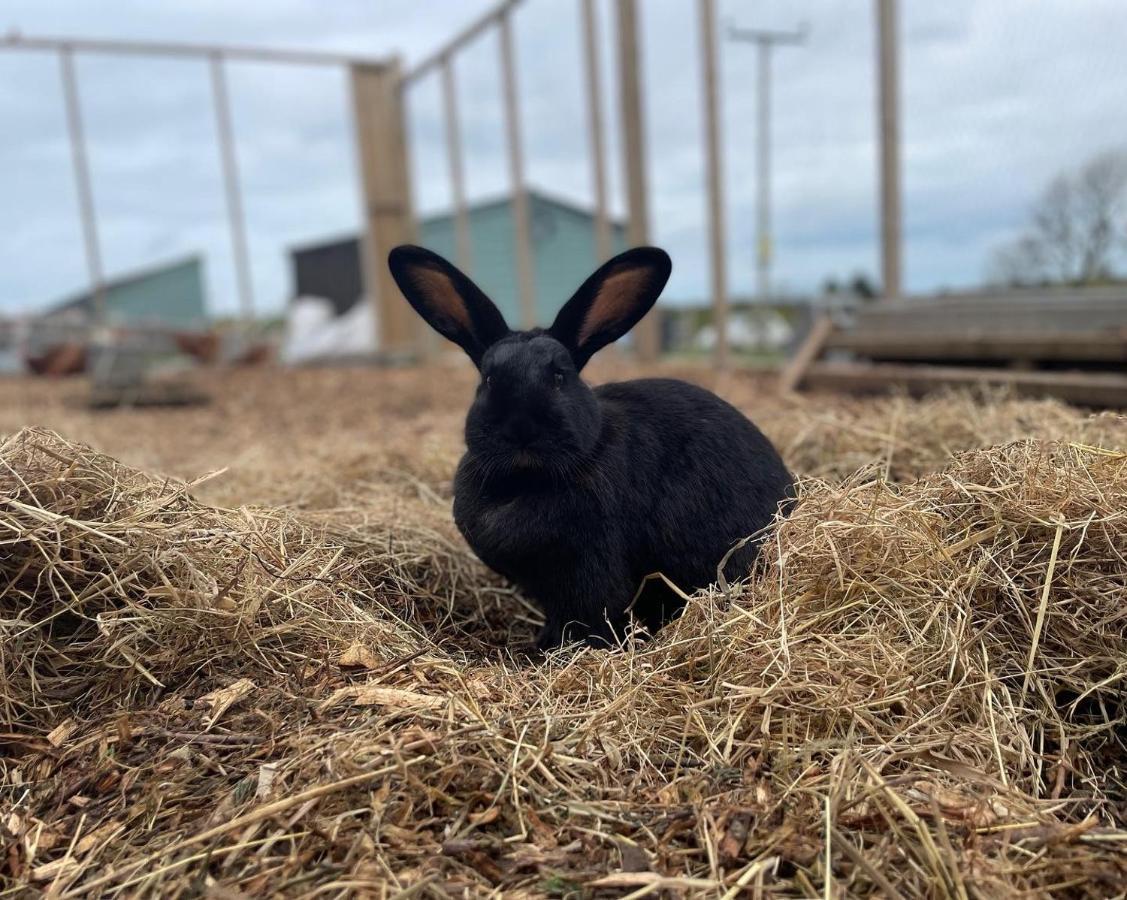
(611, 302)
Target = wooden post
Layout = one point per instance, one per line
(715, 177)
(83, 185)
(236, 220)
(460, 40)
(764, 249)
(790, 379)
(382, 151)
(463, 251)
(603, 244)
(647, 335)
(522, 227)
(889, 94)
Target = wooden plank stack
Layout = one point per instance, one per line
(1069, 343)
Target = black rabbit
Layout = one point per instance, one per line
(574, 493)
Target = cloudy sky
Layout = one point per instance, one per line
(998, 95)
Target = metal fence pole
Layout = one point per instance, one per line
(521, 225)
(236, 219)
(83, 186)
(715, 177)
(603, 244)
(457, 168)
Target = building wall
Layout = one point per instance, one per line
(563, 252)
(172, 297)
(169, 297)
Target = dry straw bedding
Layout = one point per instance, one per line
(919, 693)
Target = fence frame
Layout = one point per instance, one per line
(379, 88)
(216, 56)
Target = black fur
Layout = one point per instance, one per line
(577, 494)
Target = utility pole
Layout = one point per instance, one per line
(888, 69)
(765, 42)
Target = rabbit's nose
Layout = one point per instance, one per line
(520, 429)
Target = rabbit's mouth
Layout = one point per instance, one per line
(526, 459)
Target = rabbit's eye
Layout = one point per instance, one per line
(489, 380)
(559, 379)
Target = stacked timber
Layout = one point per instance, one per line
(1069, 343)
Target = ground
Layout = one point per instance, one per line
(246, 650)
(308, 438)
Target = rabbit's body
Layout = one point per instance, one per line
(577, 494)
(675, 479)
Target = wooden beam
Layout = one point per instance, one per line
(16, 41)
(458, 42)
(236, 220)
(382, 154)
(795, 371)
(603, 243)
(647, 336)
(1095, 389)
(463, 251)
(84, 188)
(714, 175)
(522, 227)
(954, 345)
(888, 69)
(996, 316)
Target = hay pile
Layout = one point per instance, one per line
(921, 693)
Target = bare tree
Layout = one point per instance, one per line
(1076, 230)
(1101, 199)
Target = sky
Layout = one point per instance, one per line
(997, 97)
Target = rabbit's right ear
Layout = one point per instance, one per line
(450, 303)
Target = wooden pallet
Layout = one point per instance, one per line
(1092, 389)
(971, 345)
(1070, 344)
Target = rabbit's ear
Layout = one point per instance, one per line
(450, 303)
(611, 301)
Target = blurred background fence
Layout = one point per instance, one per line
(794, 158)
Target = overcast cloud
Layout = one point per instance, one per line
(998, 95)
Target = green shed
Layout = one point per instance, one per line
(563, 249)
(563, 245)
(170, 296)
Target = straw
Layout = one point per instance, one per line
(919, 692)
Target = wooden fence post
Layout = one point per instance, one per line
(381, 142)
(717, 233)
(88, 217)
(522, 217)
(463, 252)
(888, 85)
(236, 218)
(603, 244)
(647, 336)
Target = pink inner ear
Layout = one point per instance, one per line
(613, 302)
(439, 290)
